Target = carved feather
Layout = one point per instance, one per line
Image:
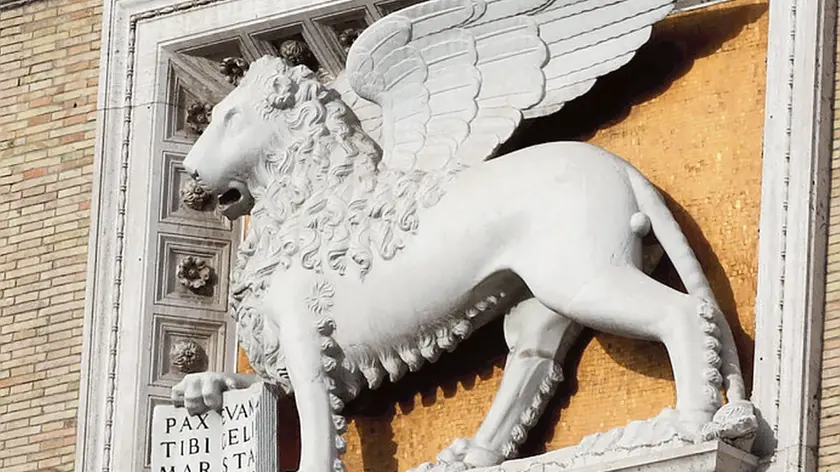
(368, 113)
(453, 79)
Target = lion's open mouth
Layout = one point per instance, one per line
(230, 197)
(236, 201)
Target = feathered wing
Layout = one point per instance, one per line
(454, 78)
(369, 113)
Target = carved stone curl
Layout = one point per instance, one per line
(194, 273)
(194, 196)
(233, 68)
(198, 117)
(324, 76)
(187, 357)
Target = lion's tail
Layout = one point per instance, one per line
(676, 246)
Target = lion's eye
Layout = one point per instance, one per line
(231, 119)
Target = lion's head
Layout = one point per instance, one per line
(286, 149)
(270, 110)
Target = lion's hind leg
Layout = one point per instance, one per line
(623, 300)
(538, 339)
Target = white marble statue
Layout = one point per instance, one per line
(382, 234)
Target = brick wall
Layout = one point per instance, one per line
(829, 440)
(49, 54)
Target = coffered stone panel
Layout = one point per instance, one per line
(341, 30)
(183, 99)
(192, 272)
(204, 61)
(204, 339)
(176, 185)
(186, 88)
(189, 115)
(296, 43)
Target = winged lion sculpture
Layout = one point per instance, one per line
(382, 233)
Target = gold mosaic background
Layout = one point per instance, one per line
(688, 112)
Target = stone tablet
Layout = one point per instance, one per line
(239, 437)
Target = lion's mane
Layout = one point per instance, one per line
(322, 198)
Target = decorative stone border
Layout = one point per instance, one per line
(792, 239)
(792, 232)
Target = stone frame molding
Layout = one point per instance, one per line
(792, 242)
(793, 231)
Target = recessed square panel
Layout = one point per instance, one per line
(342, 30)
(192, 272)
(180, 206)
(198, 347)
(294, 44)
(190, 99)
(189, 115)
(177, 119)
(205, 61)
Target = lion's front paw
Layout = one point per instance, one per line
(462, 454)
(201, 392)
(450, 459)
(455, 452)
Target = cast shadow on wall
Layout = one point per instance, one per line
(669, 55)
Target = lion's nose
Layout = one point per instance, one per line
(189, 170)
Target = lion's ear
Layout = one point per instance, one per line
(301, 72)
(283, 94)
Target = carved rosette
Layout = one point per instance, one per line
(193, 196)
(321, 300)
(233, 68)
(297, 52)
(348, 36)
(187, 357)
(198, 117)
(194, 273)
